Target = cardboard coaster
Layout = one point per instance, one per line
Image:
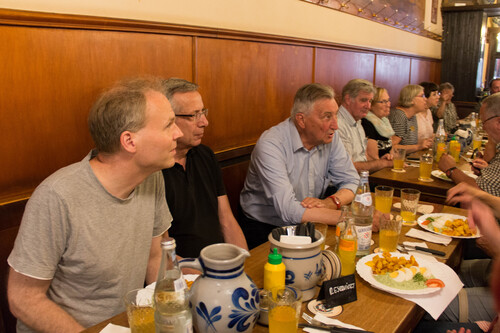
(398, 170)
(377, 250)
(427, 180)
(316, 306)
(410, 224)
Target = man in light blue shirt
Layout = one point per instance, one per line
(293, 164)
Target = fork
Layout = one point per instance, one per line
(314, 323)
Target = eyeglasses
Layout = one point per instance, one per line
(384, 101)
(196, 115)
(490, 119)
(423, 95)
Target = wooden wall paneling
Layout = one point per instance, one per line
(337, 67)
(248, 87)
(425, 70)
(52, 77)
(392, 73)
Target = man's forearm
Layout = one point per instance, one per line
(323, 215)
(29, 303)
(373, 165)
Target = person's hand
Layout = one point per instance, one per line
(462, 193)
(479, 163)
(426, 144)
(377, 215)
(387, 156)
(481, 215)
(446, 162)
(314, 202)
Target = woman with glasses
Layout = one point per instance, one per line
(378, 129)
(404, 121)
(424, 119)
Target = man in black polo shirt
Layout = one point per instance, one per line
(194, 188)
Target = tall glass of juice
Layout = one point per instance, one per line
(284, 309)
(409, 205)
(426, 161)
(399, 159)
(390, 228)
(383, 198)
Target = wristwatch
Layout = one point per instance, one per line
(336, 201)
(449, 172)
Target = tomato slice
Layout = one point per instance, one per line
(426, 222)
(434, 283)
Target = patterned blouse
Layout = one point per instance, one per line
(450, 117)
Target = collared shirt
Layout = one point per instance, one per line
(352, 134)
(489, 179)
(283, 172)
(406, 129)
(192, 197)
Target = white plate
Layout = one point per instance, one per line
(365, 272)
(422, 218)
(441, 175)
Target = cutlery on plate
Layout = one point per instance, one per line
(407, 248)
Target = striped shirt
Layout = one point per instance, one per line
(406, 129)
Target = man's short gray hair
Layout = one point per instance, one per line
(308, 94)
(446, 85)
(355, 86)
(492, 105)
(408, 93)
(175, 85)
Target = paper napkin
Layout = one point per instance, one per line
(329, 321)
(112, 328)
(437, 302)
(427, 236)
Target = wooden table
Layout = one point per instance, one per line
(434, 191)
(375, 310)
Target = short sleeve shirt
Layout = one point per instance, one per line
(93, 246)
(406, 129)
(192, 196)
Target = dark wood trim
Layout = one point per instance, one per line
(491, 10)
(69, 21)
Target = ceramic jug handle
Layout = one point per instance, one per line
(190, 263)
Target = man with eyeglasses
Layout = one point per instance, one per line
(194, 187)
(489, 180)
(292, 166)
(357, 96)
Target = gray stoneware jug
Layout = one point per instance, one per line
(223, 298)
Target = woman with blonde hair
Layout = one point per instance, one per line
(404, 121)
(378, 129)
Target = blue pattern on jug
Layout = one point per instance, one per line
(241, 314)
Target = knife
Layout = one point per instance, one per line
(423, 249)
(332, 328)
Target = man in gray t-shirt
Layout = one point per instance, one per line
(92, 230)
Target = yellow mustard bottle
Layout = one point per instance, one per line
(274, 271)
